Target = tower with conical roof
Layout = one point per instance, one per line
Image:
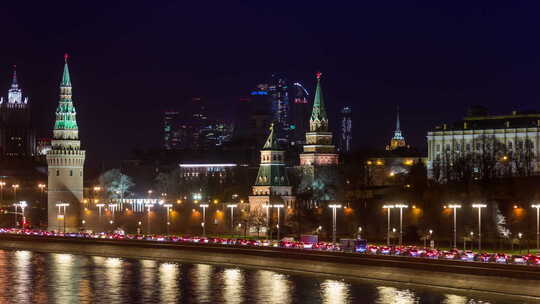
(272, 184)
(319, 160)
(65, 164)
(318, 150)
(397, 141)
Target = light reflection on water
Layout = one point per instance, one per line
(29, 277)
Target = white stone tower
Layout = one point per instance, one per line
(66, 163)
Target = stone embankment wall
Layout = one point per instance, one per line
(515, 280)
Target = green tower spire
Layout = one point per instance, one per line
(318, 120)
(65, 126)
(272, 142)
(272, 171)
(66, 79)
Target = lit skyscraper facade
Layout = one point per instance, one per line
(278, 91)
(191, 129)
(345, 130)
(17, 137)
(300, 108)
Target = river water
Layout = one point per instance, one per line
(30, 277)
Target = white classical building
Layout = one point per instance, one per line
(508, 138)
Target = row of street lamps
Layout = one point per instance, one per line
(454, 208)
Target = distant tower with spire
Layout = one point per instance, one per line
(319, 159)
(17, 137)
(65, 164)
(318, 150)
(272, 184)
(398, 141)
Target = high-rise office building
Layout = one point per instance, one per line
(300, 108)
(17, 137)
(278, 91)
(345, 130)
(192, 129)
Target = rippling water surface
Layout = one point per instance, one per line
(29, 277)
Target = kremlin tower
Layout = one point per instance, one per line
(65, 164)
(319, 160)
(272, 184)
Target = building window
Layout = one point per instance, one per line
(510, 145)
(447, 147)
(57, 172)
(458, 147)
(468, 147)
(70, 172)
(438, 148)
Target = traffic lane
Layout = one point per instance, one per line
(489, 269)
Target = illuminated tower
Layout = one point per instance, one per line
(345, 130)
(398, 141)
(17, 137)
(318, 150)
(272, 184)
(319, 160)
(66, 164)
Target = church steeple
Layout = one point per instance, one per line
(398, 140)
(319, 120)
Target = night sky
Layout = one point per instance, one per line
(131, 60)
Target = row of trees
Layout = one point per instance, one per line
(488, 159)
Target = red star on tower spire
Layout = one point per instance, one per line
(66, 57)
(318, 75)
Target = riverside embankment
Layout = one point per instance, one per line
(505, 279)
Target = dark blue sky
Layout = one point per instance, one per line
(130, 60)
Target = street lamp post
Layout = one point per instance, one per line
(168, 206)
(23, 205)
(42, 201)
(267, 207)
(389, 207)
(479, 206)
(113, 208)
(15, 187)
(454, 207)
(99, 212)
(203, 224)
(62, 214)
(537, 206)
(232, 206)
(15, 213)
(2, 184)
(401, 206)
(278, 206)
(148, 207)
(334, 213)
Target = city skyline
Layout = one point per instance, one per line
(122, 86)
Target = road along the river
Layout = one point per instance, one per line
(505, 279)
